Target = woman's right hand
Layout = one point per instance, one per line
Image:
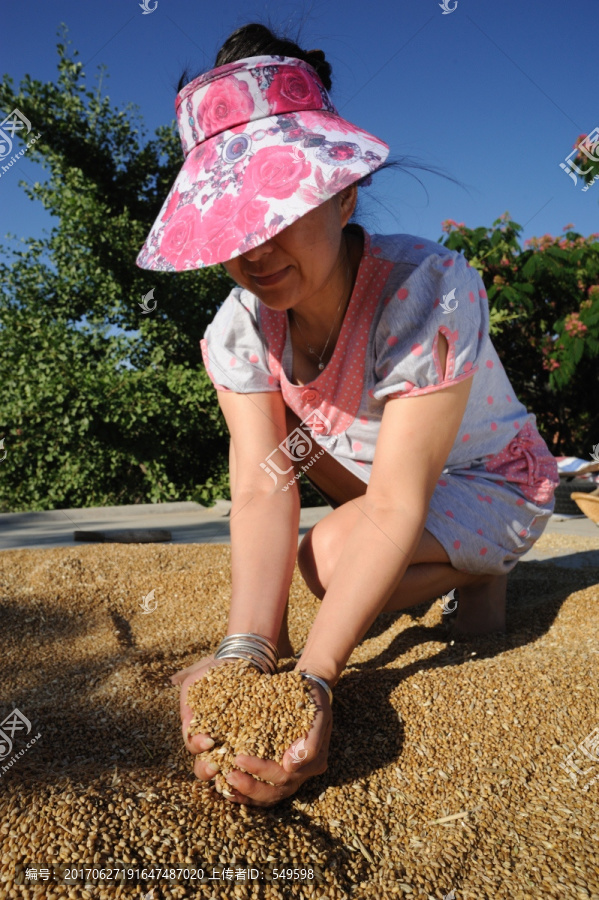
(186, 677)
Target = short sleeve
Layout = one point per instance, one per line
(443, 295)
(233, 349)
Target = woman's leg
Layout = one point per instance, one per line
(481, 607)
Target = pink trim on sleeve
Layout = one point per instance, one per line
(451, 337)
(431, 388)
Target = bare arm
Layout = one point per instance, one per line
(264, 531)
(264, 519)
(414, 441)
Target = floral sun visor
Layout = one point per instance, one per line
(263, 145)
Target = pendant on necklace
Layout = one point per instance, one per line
(321, 366)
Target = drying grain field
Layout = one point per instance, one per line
(444, 767)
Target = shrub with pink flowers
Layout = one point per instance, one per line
(544, 312)
(574, 326)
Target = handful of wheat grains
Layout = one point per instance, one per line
(247, 712)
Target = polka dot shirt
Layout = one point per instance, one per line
(408, 292)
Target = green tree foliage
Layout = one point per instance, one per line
(89, 417)
(544, 306)
(104, 405)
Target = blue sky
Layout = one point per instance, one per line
(494, 93)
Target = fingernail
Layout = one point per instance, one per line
(211, 769)
(208, 743)
(230, 778)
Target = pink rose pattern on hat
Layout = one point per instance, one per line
(226, 100)
(293, 89)
(264, 145)
(275, 172)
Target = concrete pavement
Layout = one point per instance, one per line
(188, 522)
(192, 523)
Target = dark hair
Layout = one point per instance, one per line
(258, 40)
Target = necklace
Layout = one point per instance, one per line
(311, 349)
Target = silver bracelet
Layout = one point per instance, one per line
(256, 642)
(257, 637)
(264, 663)
(321, 682)
(242, 655)
(254, 647)
(248, 651)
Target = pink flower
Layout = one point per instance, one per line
(340, 179)
(179, 234)
(227, 102)
(293, 89)
(325, 121)
(448, 224)
(251, 215)
(574, 326)
(172, 205)
(550, 365)
(220, 233)
(276, 172)
(228, 226)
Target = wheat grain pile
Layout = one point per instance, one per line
(245, 711)
(444, 766)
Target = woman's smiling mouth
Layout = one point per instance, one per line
(266, 280)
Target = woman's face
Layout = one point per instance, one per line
(302, 260)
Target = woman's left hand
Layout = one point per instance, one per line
(289, 776)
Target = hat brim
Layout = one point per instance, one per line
(242, 187)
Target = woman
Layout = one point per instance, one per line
(364, 359)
